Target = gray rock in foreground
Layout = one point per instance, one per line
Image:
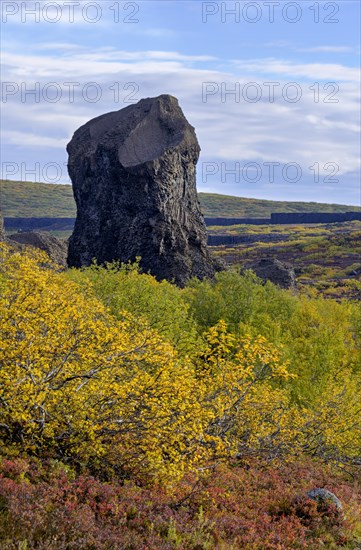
(324, 497)
(279, 273)
(133, 174)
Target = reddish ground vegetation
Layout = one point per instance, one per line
(47, 506)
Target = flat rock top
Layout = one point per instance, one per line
(141, 132)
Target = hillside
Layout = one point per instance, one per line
(20, 199)
(229, 206)
(28, 199)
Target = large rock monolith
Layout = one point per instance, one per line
(134, 181)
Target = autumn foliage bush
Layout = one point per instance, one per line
(76, 382)
(95, 379)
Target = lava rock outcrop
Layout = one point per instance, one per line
(55, 248)
(2, 228)
(133, 173)
(270, 269)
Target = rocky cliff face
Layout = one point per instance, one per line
(133, 174)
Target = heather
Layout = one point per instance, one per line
(251, 506)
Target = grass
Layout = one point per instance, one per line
(214, 205)
(20, 199)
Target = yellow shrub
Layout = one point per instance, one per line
(76, 381)
(79, 383)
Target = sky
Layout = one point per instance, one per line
(271, 87)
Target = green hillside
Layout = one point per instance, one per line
(20, 199)
(228, 206)
(26, 199)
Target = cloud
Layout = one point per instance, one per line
(326, 49)
(277, 44)
(313, 71)
(65, 46)
(95, 63)
(32, 140)
(229, 131)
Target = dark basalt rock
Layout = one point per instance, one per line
(2, 229)
(55, 248)
(279, 273)
(133, 174)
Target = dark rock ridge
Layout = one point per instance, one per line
(55, 248)
(314, 217)
(133, 174)
(2, 229)
(67, 224)
(237, 221)
(289, 218)
(39, 224)
(279, 273)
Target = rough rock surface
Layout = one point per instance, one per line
(324, 497)
(133, 175)
(2, 229)
(279, 273)
(55, 248)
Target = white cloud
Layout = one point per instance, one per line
(95, 64)
(326, 49)
(304, 132)
(313, 71)
(65, 46)
(32, 140)
(278, 44)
